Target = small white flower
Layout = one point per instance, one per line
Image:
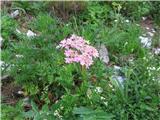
(103, 98)
(153, 68)
(15, 13)
(20, 92)
(110, 85)
(115, 20)
(147, 28)
(56, 113)
(57, 47)
(127, 21)
(98, 90)
(30, 33)
(19, 56)
(153, 79)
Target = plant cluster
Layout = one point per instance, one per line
(56, 67)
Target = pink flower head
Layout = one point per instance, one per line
(77, 50)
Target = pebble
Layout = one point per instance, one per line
(30, 33)
(146, 42)
(103, 54)
(119, 79)
(151, 34)
(156, 51)
(15, 13)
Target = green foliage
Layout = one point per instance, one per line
(39, 66)
(67, 91)
(155, 11)
(12, 112)
(37, 114)
(89, 114)
(8, 27)
(31, 7)
(134, 10)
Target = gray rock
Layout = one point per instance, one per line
(15, 13)
(103, 54)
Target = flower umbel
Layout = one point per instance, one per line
(78, 50)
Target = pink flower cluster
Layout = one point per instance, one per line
(78, 50)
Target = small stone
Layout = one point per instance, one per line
(156, 51)
(103, 54)
(15, 13)
(146, 42)
(151, 34)
(30, 33)
(119, 79)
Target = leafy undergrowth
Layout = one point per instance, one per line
(124, 89)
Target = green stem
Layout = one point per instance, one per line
(84, 78)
